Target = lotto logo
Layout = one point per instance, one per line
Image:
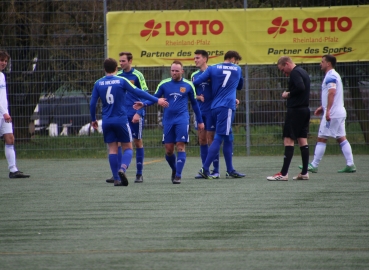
(310, 25)
(151, 29)
(183, 28)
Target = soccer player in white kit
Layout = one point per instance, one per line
(332, 123)
(6, 127)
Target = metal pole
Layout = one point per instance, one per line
(105, 30)
(105, 51)
(247, 101)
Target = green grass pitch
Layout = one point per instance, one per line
(66, 217)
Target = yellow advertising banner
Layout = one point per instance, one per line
(261, 36)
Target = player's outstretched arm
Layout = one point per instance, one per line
(138, 105)
(202, 78)
(161, 101)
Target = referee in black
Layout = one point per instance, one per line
(296, 125)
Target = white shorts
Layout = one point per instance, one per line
(5, 127)
(334, 128)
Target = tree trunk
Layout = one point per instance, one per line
(30, 71)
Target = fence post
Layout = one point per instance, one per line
(105, 30)
(247, 109)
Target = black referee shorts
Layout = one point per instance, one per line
(296, 124)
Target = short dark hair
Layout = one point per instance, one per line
(232, 54)
(4, 55)
(331, 59)
(177, 63)
(110, 65)
(128, 54)
(283, 60)
(203, 53)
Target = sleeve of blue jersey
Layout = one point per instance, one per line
(141, 112)
(240, 83)
(195, 107)
(157, 94)
(93, 101)
(140, 93)
(203, 77)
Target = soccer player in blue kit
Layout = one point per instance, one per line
(135, 118)
(204, 99)
(177, 92)
(112, 91)
(225, 79)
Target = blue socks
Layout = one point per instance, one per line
(177, 164)
(126, 159)
(139, 160)
(212, 153)
(120, 154)
(216, 164)
(204, 149)
(203, 152)
(227, 152)
(171, 161)
(181, 160)
(114, 165)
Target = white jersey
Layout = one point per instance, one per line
(332, 80)
(3, 96)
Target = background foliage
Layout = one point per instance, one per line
(57, 47)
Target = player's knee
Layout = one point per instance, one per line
(169, 152)
(9, 139)
(180, 147)
(322, 139)
(138, 143)
(203, 141)
(169, 149)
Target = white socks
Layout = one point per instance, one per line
(318, 153)
(10, 157)
(347, 152)
(320, 150)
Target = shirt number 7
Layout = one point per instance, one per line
(228, 74)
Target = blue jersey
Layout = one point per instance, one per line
(203, 89)
(138, 80)
(225, 80)
(112, 91)
(177, 94)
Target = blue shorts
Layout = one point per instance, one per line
(176, 133)
(116, 132)
(136, 128)
(209, 121)
(224, 118)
